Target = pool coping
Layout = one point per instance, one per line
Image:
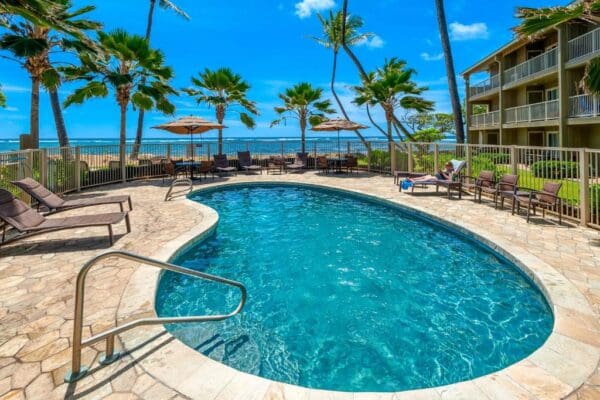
(557, 368)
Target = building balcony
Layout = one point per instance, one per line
(487, 120)
(584, 106)
(545, 111)
(485, 87)
(584, 46)
(539, 65)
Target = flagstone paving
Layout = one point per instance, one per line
(37, 278)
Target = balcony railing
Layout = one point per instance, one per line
(585, 105)
(485, 120)
(536, 65)
(544, 111)
(584, 45)
(485, 86)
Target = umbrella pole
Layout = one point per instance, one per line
(192, 150)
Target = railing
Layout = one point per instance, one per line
(578, 170)
(531, 67)
(485, 86)
(547, 110)
(584, 105)
(77, 370)
(584, 45)
(485, 120)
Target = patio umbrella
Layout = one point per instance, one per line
(338, 125)
(189, 126)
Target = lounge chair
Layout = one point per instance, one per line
(455, 184)
(29, 222)
(351, 163)
(245, 161)
(299, 163)
(55, 203)
(222, 165)
(547, 198)
(205, 168)
(276, 163)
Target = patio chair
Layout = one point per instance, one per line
(205, 168)
(299, 163)
(222, 165)
(29, 222)
(54, 203)
(351, 163)
(245, 161)
(454, 184)
(547, 198)
(275, 163)
(323, 164)
(476, 185)
(506, 188)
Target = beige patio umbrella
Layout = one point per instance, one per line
(338, 125)
(189, 126)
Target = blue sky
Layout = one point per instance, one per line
(268, 42)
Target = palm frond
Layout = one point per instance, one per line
(169, 5)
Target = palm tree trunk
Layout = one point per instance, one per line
(347, 49)
(303, 130)
(456, 109)
(61, 129)
(123, 127)
(220, 114)
(220, 142)
(339, 102)
(34, 116)
(140, 122)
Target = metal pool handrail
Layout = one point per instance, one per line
(77, 370)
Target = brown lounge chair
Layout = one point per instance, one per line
(323, 164)
(547, 198)
(299, 164)
(55, 204)
(222, 164)
(29, 222)
(245, 161)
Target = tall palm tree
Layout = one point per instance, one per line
(31, 43)
(534, 21)
(225, 91)
(167, 5)
(332, 39)
(124, 63)
(392, 88)
(459, 127)
(304, 103)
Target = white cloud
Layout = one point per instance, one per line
(432, 57)
(374, 42)
(14, 89)
(305, 8)
(477, 30)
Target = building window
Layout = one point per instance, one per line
(552, 139)
(552, 94)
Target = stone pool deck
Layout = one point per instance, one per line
(37, 278)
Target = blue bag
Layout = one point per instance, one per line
(406, 184)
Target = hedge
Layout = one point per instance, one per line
(555, 169)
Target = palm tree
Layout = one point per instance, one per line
(124, 63)
(392, 87)
(168, 5)
(2, 98)
(332, 39)
(303, 102)
(225, 91)
(537, 20)
(31, 44)
(459, 128)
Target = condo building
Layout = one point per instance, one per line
(532, 93)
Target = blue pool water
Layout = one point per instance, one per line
(350, 294)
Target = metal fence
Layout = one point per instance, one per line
(70, 169)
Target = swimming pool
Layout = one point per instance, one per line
(350, 294)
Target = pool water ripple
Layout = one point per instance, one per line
(350, 294)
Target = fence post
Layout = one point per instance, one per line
(168, 155)
(122, 160)
(282, 149)
(436, 157)
(78, 169)
(584, 186)
(44, 167)
(410, 156)
(469, 151)
(315, 151)
(208, 151)
(369, 157)
(514, 162)
(349, 147)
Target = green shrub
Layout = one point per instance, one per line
(595, 198)
(555, 169)
(497, 158)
